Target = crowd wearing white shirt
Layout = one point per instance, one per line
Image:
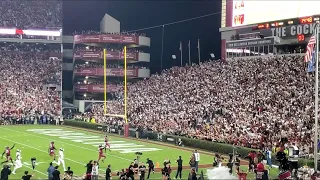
(25, 71)
(247, 102)
(31, 14)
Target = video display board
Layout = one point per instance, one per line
(246, 12)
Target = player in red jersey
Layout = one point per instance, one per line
(51, 150)
(8, 156)
(242, 175)
(101, 154)
(106, 144)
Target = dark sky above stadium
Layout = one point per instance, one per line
(86, 15)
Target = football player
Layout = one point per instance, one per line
(61, 159)
(18, 163)
(8, 156)
(101, 154)
(106, 144)
(51, 151)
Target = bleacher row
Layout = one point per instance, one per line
(25, 72)
(241, 102)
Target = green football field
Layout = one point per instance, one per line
(81, 146)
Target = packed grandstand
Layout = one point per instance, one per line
(241, 102)
(27, 70)
(31, 14)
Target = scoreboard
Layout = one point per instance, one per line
(288, 22)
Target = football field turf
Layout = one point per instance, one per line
(81, 146)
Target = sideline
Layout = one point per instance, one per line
(189, 149)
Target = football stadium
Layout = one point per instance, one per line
(87, 106)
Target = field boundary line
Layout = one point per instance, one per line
(67, 143)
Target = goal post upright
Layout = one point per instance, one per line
(126, 125)
(125, 102)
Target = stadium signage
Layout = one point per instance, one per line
(100, 72)
(95, 88)
(111, 55)
(294, 30)
(170, 139)
(251, 42)
(159, 137)
(106, 38)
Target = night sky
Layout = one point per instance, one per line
(86, 15)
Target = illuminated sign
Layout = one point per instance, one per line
(294, 30)
(31, 32)
(253, 12)
(306, 20)
(250, 42)
(301, 37)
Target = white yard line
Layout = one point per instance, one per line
(39, 150)
(25, 166)
(67, 144)
(46, 175)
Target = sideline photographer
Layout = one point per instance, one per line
(150, 167)
(26, 176)
(284, 164)
(293, 159)
(5, 172)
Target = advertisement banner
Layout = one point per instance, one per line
(170, 139)
(106, 38)
(128, 39)
(95, 88)
(250, 43)
(110, 72)
(110, 38)
(130, 56)
(111, 55)
(89, 55)
(90, 38)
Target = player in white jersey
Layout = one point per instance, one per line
(95, 171)
(17, 162)
(61, 159)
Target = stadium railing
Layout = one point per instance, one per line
(214, 147)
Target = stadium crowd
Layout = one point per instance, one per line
(25, 71)
(31, 14)
(242, 102)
